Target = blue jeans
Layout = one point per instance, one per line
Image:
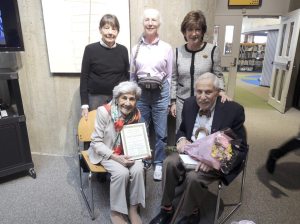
(153, 105)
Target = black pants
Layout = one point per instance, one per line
(287, 147)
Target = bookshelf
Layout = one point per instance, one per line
(251, 57)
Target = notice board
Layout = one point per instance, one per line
(72, 24)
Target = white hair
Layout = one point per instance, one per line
(211, 76)
(127, 87)
(154, 11)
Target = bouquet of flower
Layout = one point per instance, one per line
(214, 150)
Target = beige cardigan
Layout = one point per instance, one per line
(103, 137)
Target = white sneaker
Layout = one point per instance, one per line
(157, 176)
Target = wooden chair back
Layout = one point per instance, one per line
(86, 127)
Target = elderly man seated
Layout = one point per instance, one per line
(205, 112)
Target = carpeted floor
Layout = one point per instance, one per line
(252, 79)
(248, 99)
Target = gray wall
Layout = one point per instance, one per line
(294, 4)
(51, 103)
(172, 13)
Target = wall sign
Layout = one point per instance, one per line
(248, 3)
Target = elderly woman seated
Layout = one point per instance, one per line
(106, 148)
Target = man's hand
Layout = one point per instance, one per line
(173, 109)
(180, 145)
(203, 167)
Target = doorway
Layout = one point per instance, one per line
(256, 54)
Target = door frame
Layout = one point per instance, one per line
(229, 61)
(284, 72)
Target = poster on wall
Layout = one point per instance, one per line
(70, 25)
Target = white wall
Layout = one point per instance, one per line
(253, 23)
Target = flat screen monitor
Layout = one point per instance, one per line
(11, 38)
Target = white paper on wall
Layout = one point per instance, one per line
(72, 24)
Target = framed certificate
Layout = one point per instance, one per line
(135, 141)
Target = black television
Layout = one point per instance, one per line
(11, 38)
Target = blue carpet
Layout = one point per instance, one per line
(252, 79)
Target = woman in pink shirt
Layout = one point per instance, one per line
(152, 58)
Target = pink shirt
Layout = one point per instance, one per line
(155, 59)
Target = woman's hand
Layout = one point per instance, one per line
(84, 113)
(123, 160)
(224, 97)
(173, 109)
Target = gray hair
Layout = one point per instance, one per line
(152, 11)
(127, 87)
(211, 76)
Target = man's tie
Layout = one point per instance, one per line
(206, 113)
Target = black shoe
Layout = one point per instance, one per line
(191, 219)
(271, 163)
(164, 217)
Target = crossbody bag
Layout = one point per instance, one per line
(148, 82)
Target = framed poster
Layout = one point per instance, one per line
(70, 25)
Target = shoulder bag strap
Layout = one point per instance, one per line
(212, 58)
(137, 49)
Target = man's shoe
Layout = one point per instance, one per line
(157, 176)
(191, 219)
(271, 163)
(164, 217)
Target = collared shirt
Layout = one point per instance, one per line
(153, 58)
(203, 123)
(105, 45)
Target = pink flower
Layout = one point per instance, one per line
(222, 140)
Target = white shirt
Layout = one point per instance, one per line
(202, 122)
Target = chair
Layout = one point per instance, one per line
(84, 132)
(236, 205)
(221, 187)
